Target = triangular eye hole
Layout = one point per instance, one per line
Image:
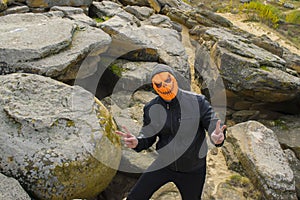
(158, 85)
(168, 79)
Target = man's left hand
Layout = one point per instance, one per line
(218, 136)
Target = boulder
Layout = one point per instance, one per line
(27, 37)
(57, 140)
(163, 22)
(288, 5)
(248, 69)
(265, 163)
(147, 39)
(217, 19)
(287, 129)
(10, 188)
(14, 10)
(141, 13)
(295, 165)
(135, 2)
(52, 46)
(75, 14)
(127, 109)
(104, 9)
(266, 43)
(293, 60)
(241, 46)
(139, 36)
(49, 3)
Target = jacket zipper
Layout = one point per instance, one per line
(174, 150)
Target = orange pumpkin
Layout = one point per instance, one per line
(165, 85)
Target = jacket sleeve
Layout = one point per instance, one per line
(146, 137)
(209, 119)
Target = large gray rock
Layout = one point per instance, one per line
(137, 40)
(26, 37)
(50, 3)
(56, 140)
(50, 46)
(66, 64)
(192, 17)
(141, 13)
(249, 70)
(264, 161)
(10, 189)
(295, 165)
(136, 2)
(127, 109)
(15, 10)
(76, 14)
(241, 46)
(163, 42)
(287, 129)
(104, 9)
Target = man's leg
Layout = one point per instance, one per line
(148, 183)
(190, 184)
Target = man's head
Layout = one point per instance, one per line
(164, 82)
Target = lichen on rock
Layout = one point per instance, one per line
(51, 139)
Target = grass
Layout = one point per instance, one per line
(100, 20)
(265, 68)
(117, 70)
(274, 14)
(258, 11)
(293, 17)
(238, 181)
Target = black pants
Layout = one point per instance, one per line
(189, 184)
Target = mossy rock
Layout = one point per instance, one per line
(57, 140)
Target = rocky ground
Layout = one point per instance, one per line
(261, 75)
(260, 29)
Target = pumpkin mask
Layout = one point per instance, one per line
(165, 85)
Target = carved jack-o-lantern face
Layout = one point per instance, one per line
(165, 85)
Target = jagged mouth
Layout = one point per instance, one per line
(169, 91)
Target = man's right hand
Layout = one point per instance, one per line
(129, 139)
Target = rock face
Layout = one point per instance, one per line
(265, 163)
(55, 139)
(27, 36)
(50, 137)
(51, 46)
(287, 129)
(131, 34)
(11, 189)
(49, 3)
(295, 165)
(251, 70)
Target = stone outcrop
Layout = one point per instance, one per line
(50, 46)
(265, 163)
(287, 130)
(10, 188)
(150, 43)
(56, 140)
(49, 3)
(251, 70)
(109, 48)
(295, 166)
(24, 37)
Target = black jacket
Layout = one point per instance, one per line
(180, 126)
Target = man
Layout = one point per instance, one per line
(179, 120)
